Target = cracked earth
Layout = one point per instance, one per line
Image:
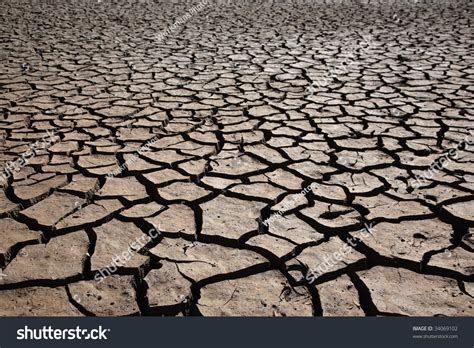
(233, 137)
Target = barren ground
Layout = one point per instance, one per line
(234, 135)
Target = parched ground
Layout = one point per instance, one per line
(241, 107)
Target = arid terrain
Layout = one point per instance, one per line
(230, 158)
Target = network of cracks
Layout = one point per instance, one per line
(203, 135)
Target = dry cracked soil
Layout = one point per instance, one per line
(117, 123)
